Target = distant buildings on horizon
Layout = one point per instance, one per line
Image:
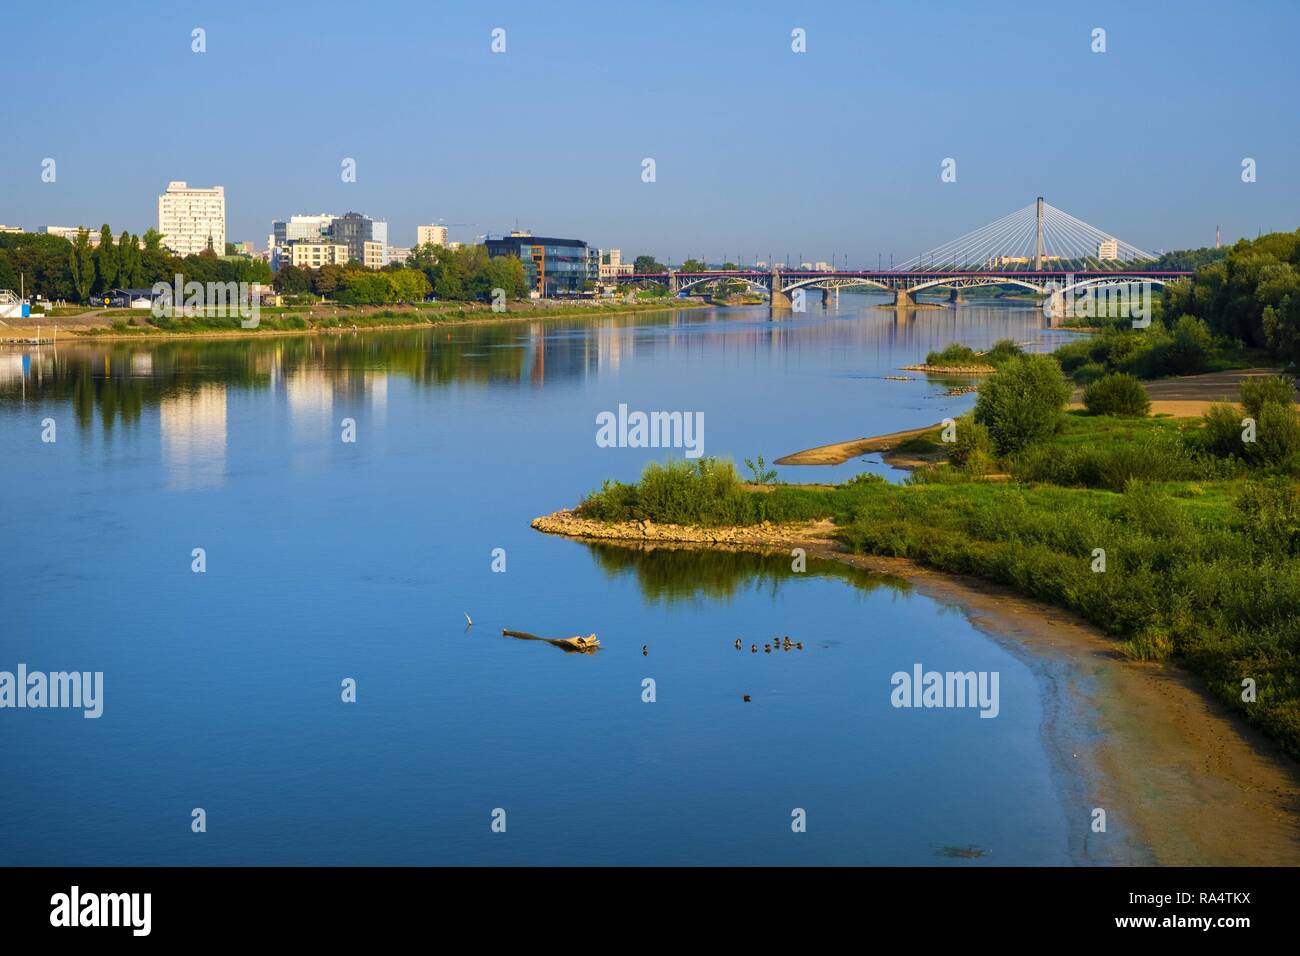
(192, 219)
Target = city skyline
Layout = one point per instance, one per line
(1140, 139)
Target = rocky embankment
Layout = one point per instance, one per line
(567, 523)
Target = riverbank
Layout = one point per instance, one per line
(1182, 397)
(837, 453)
(1160, 757)
(333, 320)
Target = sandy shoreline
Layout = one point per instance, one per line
(837, 453)
(1186, 781)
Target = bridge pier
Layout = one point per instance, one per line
(780, 298)
(828, 298)
(955, 295)
(672, 282)
(904, 299)
(1055, 306)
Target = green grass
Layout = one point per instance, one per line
(1202, 555)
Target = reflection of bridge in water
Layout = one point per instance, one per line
(1061, 256)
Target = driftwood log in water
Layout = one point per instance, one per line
(585, 645)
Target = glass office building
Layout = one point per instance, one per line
(554, 267)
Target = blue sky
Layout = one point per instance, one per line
(759, 151)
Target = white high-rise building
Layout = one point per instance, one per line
(192, 219)
(431, 235)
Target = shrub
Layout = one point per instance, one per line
(1002, 350)
(1116, 394)
(1185, 351)
(1074, 355)
(1269, 513)
(1022, 402)
(1221, 431)
(1277, 434)
(1256, 392)
(954, 354)
(973, 450)
(1088, 373)
(1160, 456)
(706, 491)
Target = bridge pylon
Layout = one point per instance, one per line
(780, 298)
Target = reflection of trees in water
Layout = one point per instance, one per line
(114, 394)
(681, 574)
(120, 378)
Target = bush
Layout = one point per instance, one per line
(1160, 456)
(1269, 513)
(1189, 352)
(1116, 394)
(1088, 373)
(1256, 392)
(973, 450)
(1277, 434)
(1002, 350)
(705, 492)
(954, 354)
(1221, 430)
(1022, 402)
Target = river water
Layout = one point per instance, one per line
(327, 560)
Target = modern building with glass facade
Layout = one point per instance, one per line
(554, 267)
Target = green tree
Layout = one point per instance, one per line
(106, 259)
(292, 280)
(81, 263)
(648, 264)
(152, 239)
(407, 285)
(1022, 402)
(505, 272)
(128, 261)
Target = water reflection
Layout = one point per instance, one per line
(192, 426)
(118, 379)
(670, 574)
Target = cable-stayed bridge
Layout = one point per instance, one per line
(1039, 248)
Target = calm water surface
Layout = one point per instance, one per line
(328, 560)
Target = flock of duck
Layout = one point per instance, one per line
(767, 648)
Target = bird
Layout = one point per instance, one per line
(799, 644)
(747, 698)
(469, 620)
(737, 643)
(753, 648)
(645, 652)
(767, 648)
